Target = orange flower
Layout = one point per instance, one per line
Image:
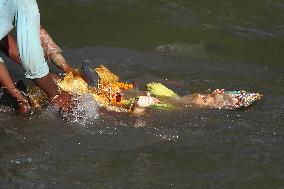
(131, 86)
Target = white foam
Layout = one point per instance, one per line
(85, 110)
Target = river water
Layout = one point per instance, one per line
(190, 46)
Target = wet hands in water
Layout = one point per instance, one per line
(24, 106)
(62, 101)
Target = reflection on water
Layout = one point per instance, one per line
(191, 148)
(249, 31)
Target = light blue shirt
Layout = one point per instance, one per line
(25, 15)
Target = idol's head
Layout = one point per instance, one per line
(207, 100)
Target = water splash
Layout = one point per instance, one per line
(4, 109)
(84, 112)
(1, 92)
(165, 134)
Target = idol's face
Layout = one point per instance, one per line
(205, 100)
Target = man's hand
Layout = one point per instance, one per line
(62, 101)
(55, 77)
(24, 107)
(67, 68)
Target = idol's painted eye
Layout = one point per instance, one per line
(204, 98)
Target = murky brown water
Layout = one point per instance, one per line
(190, 47)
